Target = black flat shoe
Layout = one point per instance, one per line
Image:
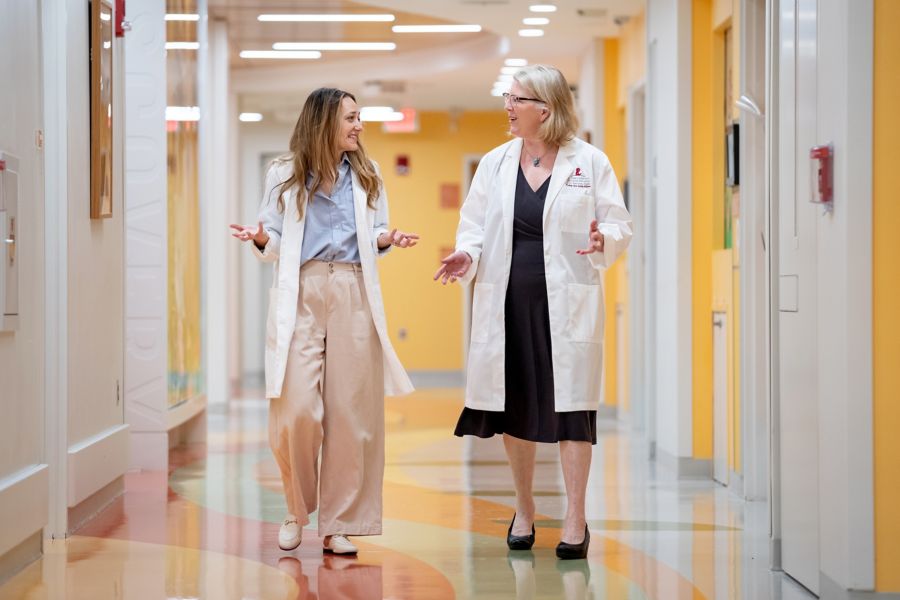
(519, 542)
(574, 551)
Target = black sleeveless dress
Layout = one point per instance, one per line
(529, 412)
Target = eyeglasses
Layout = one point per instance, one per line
(516, 100)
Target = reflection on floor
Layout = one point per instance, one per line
(208, 528)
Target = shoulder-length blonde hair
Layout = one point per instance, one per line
(549, 84)
(313, 150)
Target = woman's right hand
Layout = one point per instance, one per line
(453, 267)
(245, 234)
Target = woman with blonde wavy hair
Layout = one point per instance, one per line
(329, 360)
(543, 219)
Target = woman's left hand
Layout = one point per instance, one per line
(596, 240)
(401, 239)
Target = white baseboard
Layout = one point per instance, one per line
(97, 461)
(24, 498)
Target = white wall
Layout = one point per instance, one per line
(22, 470)
(590, 91)
(96, 265)
(668, 198)
(256, 140)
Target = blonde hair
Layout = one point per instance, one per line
(549, 84)
(313, 150)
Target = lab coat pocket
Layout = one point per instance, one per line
(585, 319)
(482, 303)
(577, 208)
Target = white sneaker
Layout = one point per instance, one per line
(339, 544)
(290, 533)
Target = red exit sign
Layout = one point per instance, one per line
(409, 123)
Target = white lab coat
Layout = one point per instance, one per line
(284, 250)
(582, 187)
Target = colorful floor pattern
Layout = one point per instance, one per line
(208, 528)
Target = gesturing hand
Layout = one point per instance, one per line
(245, 234)
(400, 239)
(596, 240)
(453, 267)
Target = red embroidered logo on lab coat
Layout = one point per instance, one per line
(578, 180)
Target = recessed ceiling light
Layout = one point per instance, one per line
(182, 17)
(334, 46)
(542, 8)
(535, 21)
(182, 45)
(531, 32)
(504, 77)
(250, 117)
(515, 62)
(436, 28)
(283, 54)
(332, 18)
(509, 70)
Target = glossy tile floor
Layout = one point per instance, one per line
(208, 528)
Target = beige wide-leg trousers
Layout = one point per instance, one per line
(332, 400)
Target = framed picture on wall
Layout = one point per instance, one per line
(101, 60)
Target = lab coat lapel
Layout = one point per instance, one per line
(562, 170)
(507, 178)
(360, 207)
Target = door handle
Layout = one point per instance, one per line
(11, 241)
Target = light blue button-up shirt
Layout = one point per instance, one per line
(329, 233)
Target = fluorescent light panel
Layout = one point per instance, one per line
(182, 45)
(281, 54)
(326, 18)
(531, 32)
(535, 21)
(334, 46)
(509, 70)
(182, 113)
(515, 62)
(542, 8)
(182, 17)
(379, 114)
(250, 117)
(436, 28)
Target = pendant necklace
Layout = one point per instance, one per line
(535, 161)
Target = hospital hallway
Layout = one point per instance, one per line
(209, 530)
(667, 225)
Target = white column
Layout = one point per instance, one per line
(54, 17)
(669, 205)
(146, 199)
(215, 130)
(844, 336)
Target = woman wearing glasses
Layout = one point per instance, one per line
(329, 360)
(543, 218)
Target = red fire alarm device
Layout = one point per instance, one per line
(402, 164)
(821, 185)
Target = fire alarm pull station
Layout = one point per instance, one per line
(822, 176)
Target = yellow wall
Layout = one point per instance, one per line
(430, 313)
(703, 120)
(886, 295)
(614, 281)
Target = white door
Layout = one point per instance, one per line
(720, 397)
(797, 304)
